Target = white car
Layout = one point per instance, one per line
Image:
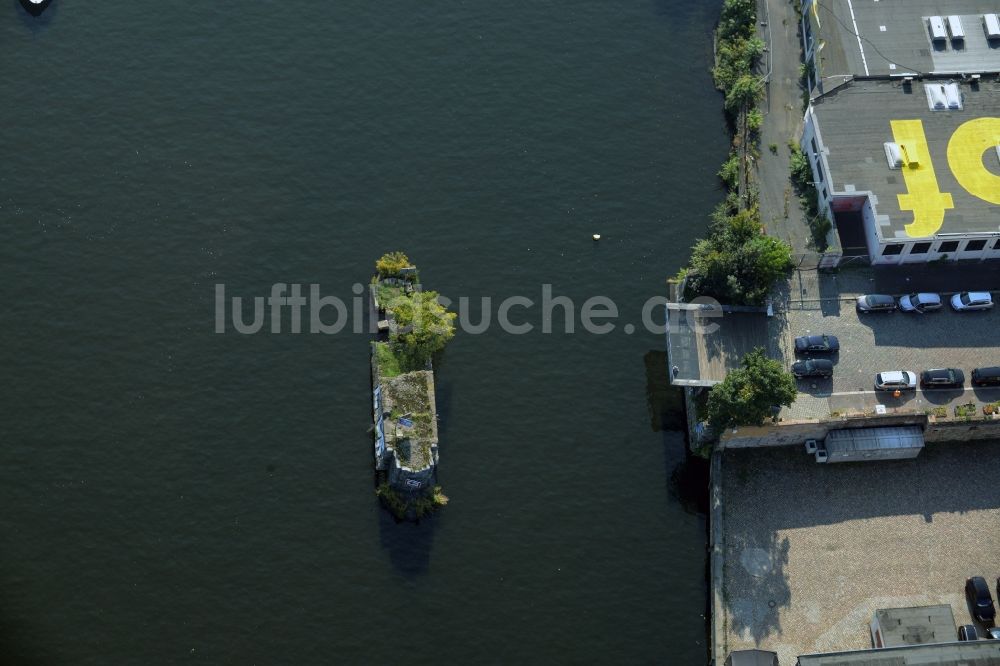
(894, 380)
(972, 300)
(920, 302)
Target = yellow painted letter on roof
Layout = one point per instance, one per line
(923, 197)
(965, 157)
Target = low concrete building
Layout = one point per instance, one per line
(968, 653)
(406, 439)
(864, 444)
(907, 170)
(893, 627)
(404, 408)
(705, 341)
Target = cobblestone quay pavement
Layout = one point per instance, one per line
(811, 551)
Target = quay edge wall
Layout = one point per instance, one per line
(962, 431)
(795, 433)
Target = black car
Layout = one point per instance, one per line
(967, 632)
(977, 592)
(986, 376)
(826, 344)
(942, 378)
(814, 367)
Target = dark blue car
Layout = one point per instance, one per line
(977, 592)
(822, 344)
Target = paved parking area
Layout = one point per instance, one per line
(811, 551)
(871, 343)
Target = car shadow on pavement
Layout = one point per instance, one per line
(942, 396)
(986, 393)
(920, 331)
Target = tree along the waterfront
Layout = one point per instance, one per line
(750, 394)
(737, 263)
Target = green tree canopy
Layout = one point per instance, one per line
(746, 91)
(735, 58)
(738, 19)
(391, 263)
(737, 263)
(748, 394)
(424, 326)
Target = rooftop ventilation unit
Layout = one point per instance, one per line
(992, 24)
(955, 25)
(937, 28)
(953, 96)
(935, 96)
(893, 155)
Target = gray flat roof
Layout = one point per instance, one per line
(895, 37)
(868, 439)
(855, 121)
(913, 626)
(968, 653)
(705, 343)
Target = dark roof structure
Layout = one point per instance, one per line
(752, 658)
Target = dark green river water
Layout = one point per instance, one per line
(173, 495)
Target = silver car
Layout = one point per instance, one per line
(972, 300)
(895, 380)
(875, 303)
(922, 302)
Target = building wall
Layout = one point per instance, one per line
(962, 431)
(871, 230)
(795, 434)
(946, 248)
(813, 148)
(413, 481)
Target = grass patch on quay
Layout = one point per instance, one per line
(390, 364)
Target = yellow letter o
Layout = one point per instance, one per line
(965, 157)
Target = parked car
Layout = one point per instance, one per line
(942, 378)
(972, 300)
(986, 376)
(967, 632)
(920, 302)
(814, 367)
(993, 633)
(876, 303)
(827, 344)
(977, 592)
(893, 380)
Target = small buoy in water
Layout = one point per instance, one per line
(597, 237)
